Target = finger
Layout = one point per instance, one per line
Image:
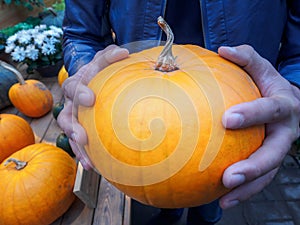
(101, 60)
(259, 111)
(80, 93)
(70, 125)
(296, 92)
(261, 70)
(81, 155)
(110, 55)
(245, 191)
(76, 86)
(261, 161)
(64, 118)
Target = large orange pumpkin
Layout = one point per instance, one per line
(30, 97)
(155, 130)
(36, 185)
(15, 133)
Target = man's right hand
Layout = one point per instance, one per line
(77, 93)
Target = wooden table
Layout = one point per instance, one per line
(97, 201)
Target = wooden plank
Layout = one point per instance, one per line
(9, 110)
(86, 186)
(110, 205)
(58, 221)
(40, 126)
(127, 211)
(52, 133)
(55, 89)
(78, 214)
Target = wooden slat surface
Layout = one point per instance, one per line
(110, 207)
(86, 186)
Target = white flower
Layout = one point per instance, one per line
(31, 52)
(9, 48)
(41, 27)
(57, 30)
(39, 39)
(36, 46)
(24, 37)
(18, 54)
(48, 49)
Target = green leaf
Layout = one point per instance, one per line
(7, 2)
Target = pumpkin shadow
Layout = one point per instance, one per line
(76, 214)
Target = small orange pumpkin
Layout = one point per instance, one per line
(36, 185)
(15, 133)
(62, 75)
(155, 130)
(30, 97)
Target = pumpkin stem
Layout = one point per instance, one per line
(166, 60)
(15, 71)
(50, 9)
(19, 164)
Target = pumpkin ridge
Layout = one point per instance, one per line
(29, 200)
(13, 199)
(42, 197)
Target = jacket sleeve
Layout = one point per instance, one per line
(86, 31)
(289, 58)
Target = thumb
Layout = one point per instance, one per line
(102, 59)
(110, 55)
(260, 69)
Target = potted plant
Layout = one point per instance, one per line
(39, 48)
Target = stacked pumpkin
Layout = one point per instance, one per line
(36, 178)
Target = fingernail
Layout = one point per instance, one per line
(231, 49)
(73, 137)
(231, 203)
(234, 120)
(119, 52)
(84, 99)
(115, 50)
(236, 180)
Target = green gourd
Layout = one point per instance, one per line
(7, 79)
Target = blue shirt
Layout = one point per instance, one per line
(184, 18)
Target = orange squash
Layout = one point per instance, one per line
(36, 185)
(155, 129)
(15, 133)
(30, 97)
(62, 75)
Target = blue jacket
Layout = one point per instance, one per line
(272, 27)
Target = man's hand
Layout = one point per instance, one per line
(278, 109)
(77, 93)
